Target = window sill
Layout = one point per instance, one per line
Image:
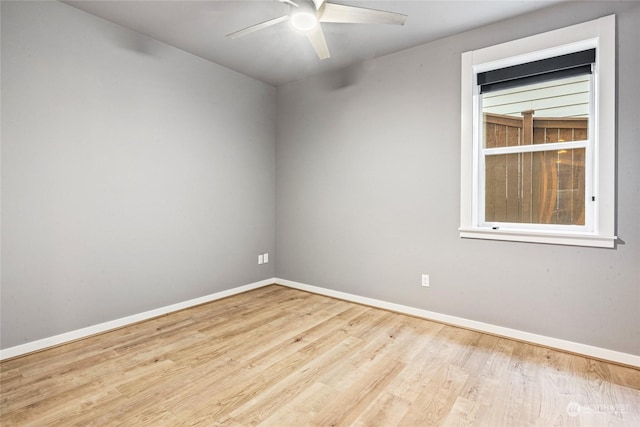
(576, 239)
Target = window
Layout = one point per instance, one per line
(538, 147)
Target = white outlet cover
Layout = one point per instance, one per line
(425, 280)
(260, 259)
(266, 258)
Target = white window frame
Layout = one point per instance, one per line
(599, 230)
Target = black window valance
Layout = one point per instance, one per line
(569, 65)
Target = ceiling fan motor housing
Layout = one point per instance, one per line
(304, 17)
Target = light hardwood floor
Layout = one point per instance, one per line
(282, 357)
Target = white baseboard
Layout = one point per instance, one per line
(569, 346)
(124, 321)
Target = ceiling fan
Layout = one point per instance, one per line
(306, 16)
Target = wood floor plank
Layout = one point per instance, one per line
(385, 410)
(300, 409)
(435, 402)
(276, 356)
(348, 405)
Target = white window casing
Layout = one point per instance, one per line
(599, 229)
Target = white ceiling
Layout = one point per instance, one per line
(278, 55)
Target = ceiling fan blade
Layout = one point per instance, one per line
(257, 27)
(292, 3)
(318, 3)
(332, 12)
(316, 37)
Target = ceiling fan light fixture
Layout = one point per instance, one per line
(304, 21)
(305, 17)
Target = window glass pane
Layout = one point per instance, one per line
(541, 187)
(555, 111)
(546, 187)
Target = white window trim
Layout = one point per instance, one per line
(599, 33)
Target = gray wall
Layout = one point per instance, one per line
(368, 179)
(134, 175)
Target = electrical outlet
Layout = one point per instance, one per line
(260, 259)
(265, 257)
(425, 280)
